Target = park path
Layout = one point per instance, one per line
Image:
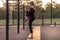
(13, 35)
(51, 32)
(36, 33)
(44, 33)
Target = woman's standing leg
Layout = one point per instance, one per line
(30, 27)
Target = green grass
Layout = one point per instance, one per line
(37, 21)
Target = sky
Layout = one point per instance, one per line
(44, 2)
(1, 4)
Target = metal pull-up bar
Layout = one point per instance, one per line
(18, 17)
(13, 13)
(7, 20)
(23, 17)
(51, 12)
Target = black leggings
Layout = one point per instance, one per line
(30, 25)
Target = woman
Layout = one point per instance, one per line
(30, 16)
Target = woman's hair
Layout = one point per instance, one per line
(32, 3)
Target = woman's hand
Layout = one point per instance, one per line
(26, 18)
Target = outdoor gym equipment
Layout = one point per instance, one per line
(7, 20)
(13, 13)
(18, 18)
(42, 20)
(23, 17)
(51, 12)
(55, 23)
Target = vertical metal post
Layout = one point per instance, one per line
(42, 20)
(51, 12)
(18, 18)
(23, 17)
(7, 20)
(55, 23)
(13, 13)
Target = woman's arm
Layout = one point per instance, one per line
(31, 11)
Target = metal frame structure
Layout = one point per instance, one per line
(51, 12)
(13, 13)
(18, 18)
(7, 20)
(23, 17)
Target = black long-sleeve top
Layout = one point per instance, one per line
(31, 13)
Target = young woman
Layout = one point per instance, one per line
(30, 16)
